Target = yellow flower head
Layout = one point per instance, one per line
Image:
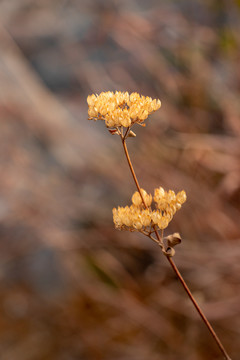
(141, 218)
(121, 108)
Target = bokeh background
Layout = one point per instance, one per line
(71, 286)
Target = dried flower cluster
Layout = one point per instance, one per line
(141, 217)
(121, 108)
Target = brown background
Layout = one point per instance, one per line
(71, 286)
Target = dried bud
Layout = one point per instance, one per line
(174, 239)
(169, 252)
(131, 134)
(113, 131)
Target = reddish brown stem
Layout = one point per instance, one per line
(132, 170)
(173, 265)
(210, 328)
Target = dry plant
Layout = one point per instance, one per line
(120, 111)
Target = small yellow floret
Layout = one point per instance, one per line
(136, 199)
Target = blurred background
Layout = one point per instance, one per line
(73, 287)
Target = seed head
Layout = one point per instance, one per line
(121, 109)
(139, 217)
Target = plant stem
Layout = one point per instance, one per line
(205, 320)
(173, 265)
(132, 170)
